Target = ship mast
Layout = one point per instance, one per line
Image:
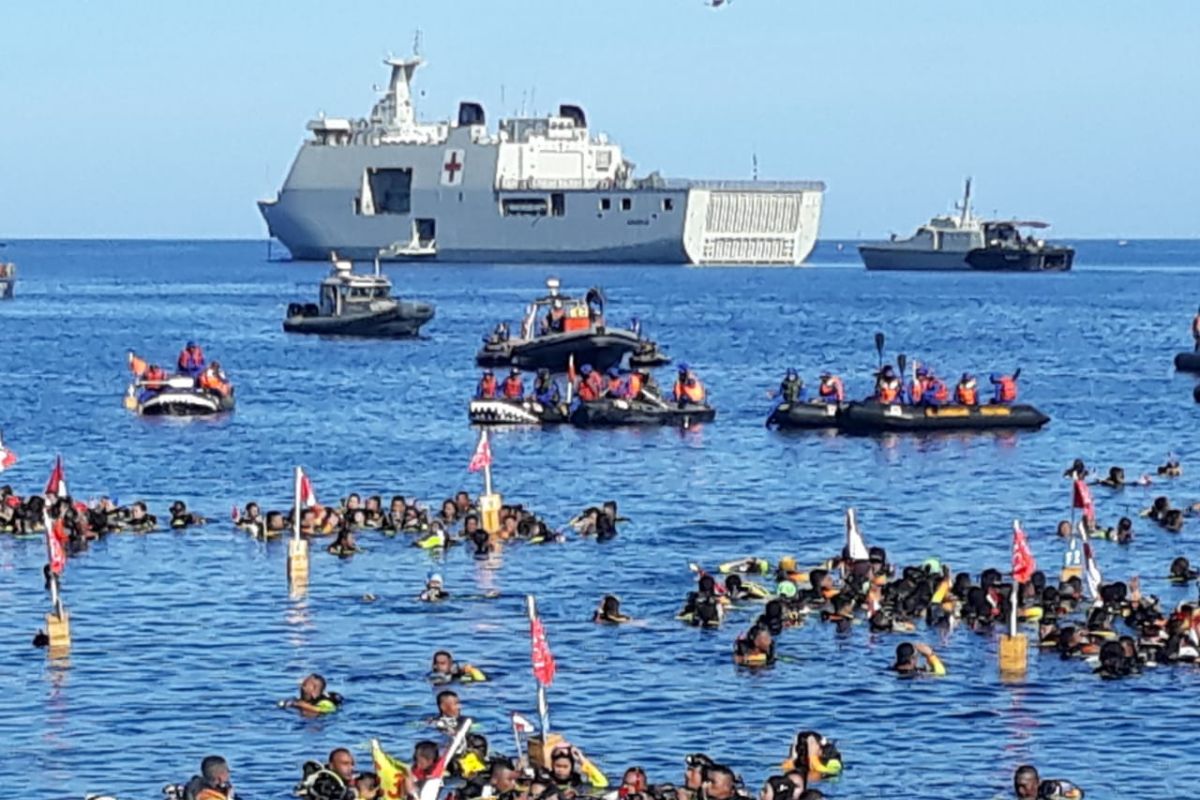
(966, 205)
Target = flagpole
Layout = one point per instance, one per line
(487, 469)
(543, 707)
(297, 563)
(296, 506)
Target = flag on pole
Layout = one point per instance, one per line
(856, 548)
(56, 537)
(483, 454)
(392, 772)
(1091, 570)
(7, 457)
(522, 724)
(1081, 497)
(308, 498)
(57, 485)
(543, 660)
(1023, 563)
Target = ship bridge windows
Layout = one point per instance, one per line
(558, 204)
(389, 190)
(605, 203)
(668, 204)
(626, 203)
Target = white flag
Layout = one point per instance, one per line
(856, 548)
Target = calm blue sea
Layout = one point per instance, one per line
(183, 642)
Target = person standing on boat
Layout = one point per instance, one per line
(555, 319)
(191, 360)
(688, 388)
(791, 388)
(514, 386)
(486, 389)
(1196, 332)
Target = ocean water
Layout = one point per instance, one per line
(183, 642)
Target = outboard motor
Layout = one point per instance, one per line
(470, 114)
(573, 113)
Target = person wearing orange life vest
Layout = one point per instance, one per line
(191, 360)
(1006, 388)
(213, 380)
(151, 377)
(615, 386)
(916, 391)
(688, 389)
(591, 385)
(831, 389)
(933, 389)
(487, 389)
(966, 393)
(888, 388)
(514, 386)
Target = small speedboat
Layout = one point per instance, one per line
(514, 412)
(1187, 362)
(578, 334)
(8, 279)
(353, 304)
(180, 397)
(798, 416)
(610, 413)
(872, 417)
(648, 356)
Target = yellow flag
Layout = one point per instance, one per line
(391, 772)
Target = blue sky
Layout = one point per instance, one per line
(170, 119)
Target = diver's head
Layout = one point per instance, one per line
(1026, 782)
(214, 770)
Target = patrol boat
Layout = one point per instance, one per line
(357, 305)
(581, 338)
(535, 189)
(966, 242)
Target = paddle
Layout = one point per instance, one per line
(879, 347)
(1017, 374)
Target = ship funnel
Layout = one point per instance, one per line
(470, 114)
(573, 113)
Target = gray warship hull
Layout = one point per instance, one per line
(535, 190)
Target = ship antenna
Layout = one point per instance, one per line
(966, 206)
(754, 160)
(417, 42)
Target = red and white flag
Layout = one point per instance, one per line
(308, 498)
(57, 485)
(56, 537)
(483, 454)
(856, 548)
(521, 724)
(1081, 497)
(7, 457)
(543, 660)
(1023, 563)
(1091, 570)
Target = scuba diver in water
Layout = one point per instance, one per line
(609, 611)
(754, 649)
(434, 590)
(333, 780)
(182, 518)
(213, 783)
(1028, 785)
(907, 664)
(313, 698)
(444, 669)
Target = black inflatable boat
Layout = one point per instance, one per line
(610, 413)
(872, 417)
(798, 416)
(1187, 362)
(514, 412)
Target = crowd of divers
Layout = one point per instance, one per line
(1119, 632)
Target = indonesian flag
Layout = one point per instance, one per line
(1091, 570)
(57, 485)
(7, 457)
(1023, 563)
(856, 548)
(308, 498)
(56, 537)
(1081, 497)
(543, 659)
(483, 454)
(522, 724)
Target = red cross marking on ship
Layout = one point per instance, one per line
(452, 167)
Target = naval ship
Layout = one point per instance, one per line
(537, 189)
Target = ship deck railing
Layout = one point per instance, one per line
(655, 184)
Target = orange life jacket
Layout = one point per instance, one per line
(917, 390)
(966, 394)
(832, 389)
(212, 382)
(487, 387)
(590, 388)
(635, 385)
(941, 394)
(191, 359)
(513, 388)
(692, 392)
(1007, 389)
(889, 391)
(154, 377)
